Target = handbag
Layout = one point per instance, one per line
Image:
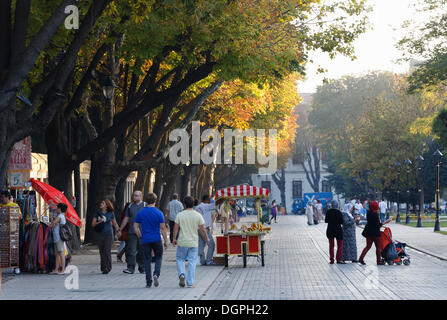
(65, 232)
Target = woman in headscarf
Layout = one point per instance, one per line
(349, 251)
(372, 231)
(310, 213)
(334, 220)
(319, 207)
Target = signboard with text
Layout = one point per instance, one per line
(21, 155)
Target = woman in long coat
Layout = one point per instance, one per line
(334, 220)
(349, 251)
(310, 213)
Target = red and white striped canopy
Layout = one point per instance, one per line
(242, 191)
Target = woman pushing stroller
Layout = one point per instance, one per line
(372, 232)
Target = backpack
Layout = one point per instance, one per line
(65, 232)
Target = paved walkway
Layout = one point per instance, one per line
(296, 267)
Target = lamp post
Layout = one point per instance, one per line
(420, 160)
(407, 165)
(398, 165)
(437, 155)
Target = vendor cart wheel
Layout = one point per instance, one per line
(226, 261)
(262, 253)
(244, 253)
(407, 262)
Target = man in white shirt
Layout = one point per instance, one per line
(174, 207)
(358, 206)
(205, 209)
(383, 207)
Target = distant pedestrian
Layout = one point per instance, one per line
(147, 225)
(310, 213)
(372, 232)
(224, 212)
(205, 209)
(134, 249)
(174, 207)
(59, 244)
(349, 249)
(383, 207)
(274, 211)
(334, 220)
(188, 221)
(103, 221)
(319, 208)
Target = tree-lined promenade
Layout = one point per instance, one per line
(112, 90)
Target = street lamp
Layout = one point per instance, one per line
(437, 155)
(408, 164)
(420, 160)
(108, 88)
(398, 166)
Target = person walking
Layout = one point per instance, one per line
(319, 208)
(134, 249)
(147, 225)
(383, 207)
(309, 213)
(59, 245)
(372, 232)
(174, 207)
(349, 249)
(188, 221)
(205, 209)
(224, 212)
(103, 221)
(274, 211)
(334, 220)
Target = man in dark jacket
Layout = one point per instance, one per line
(334, 220)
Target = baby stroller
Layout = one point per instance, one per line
(393, 252)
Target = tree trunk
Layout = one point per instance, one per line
(119, 198)
(90, 235)
(280, 181)
(184, 182)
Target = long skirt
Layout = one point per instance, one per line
(310, 216)
(349, 252)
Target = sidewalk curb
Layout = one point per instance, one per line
(418, 249)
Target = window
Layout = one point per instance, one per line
(325, 187)
(297, 189)
(267, 185)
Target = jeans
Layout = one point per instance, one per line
(190, 254)
(105, 252)
(158, 251)
(369, 242)
(382, 217)
(202, 244)
(339, 249)
(134, 253)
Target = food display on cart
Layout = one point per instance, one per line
(243, 240)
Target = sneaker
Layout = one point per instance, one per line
(148, 285)
(191, 286)
(203, 264)
(141, 271)
(211, 263)
(155, 281)
(362, 262)
(182, 281)
(105, 272)
(128, 271)
(331, 262)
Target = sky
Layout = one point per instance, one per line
(375, 49)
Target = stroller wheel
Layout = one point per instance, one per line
(399, 263)
(390, 262)
(407, 262)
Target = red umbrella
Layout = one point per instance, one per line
(52, 196)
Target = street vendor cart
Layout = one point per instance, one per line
(244, 241)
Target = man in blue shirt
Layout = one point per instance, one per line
(147, 225)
